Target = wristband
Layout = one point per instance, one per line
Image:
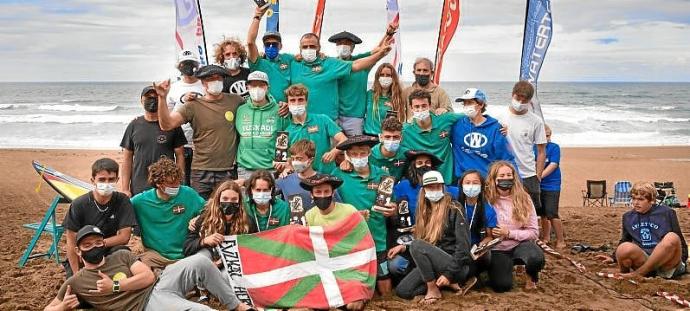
(116, 286)
(258, 18)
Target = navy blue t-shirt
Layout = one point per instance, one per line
(647, 230)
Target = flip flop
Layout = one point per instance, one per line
(467, 286)
(428, 301)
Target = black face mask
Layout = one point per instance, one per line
(323, 202)
(188, 68)
(94, 255)
(151, 104)
(423, 170)
(229, 208)
(505, 184)
(422, 80)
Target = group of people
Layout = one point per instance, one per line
(202, 163)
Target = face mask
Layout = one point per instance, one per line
(323, 203)
(385, 82)
(229, 208)
(420, 115)
(188, 68)
(297, 110)
(171, 191)
(232, 63)
(257, 94)
(105, 189)
(433, 196)
(471, 191)
(344, 50)
(359, 163)
(423, 170)
(422, 80)
(271, 51)
(214, 87)
(517, 105)
(299, 166)
(151, 104)
(261, 198)
(309, 55)
(470, 111)
(94, 255)
(391, 145)
(505, 184)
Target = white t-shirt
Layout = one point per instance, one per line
(525, 131)
(177, 90)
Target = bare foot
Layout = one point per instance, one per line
(356, 305)
(530, 285)
(431, 297)
(560, 245)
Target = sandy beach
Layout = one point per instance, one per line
(561, 285)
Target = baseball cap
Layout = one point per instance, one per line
(187, 55)
(432, 177)
(272, 34)
(472, 93)
(146, 90)
(257, 76)
(88, 230)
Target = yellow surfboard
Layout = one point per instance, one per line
(67, 186)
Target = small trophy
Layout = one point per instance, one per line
(281, 147)
(404, 218)
(478, 251)
(384, 191)
(296, 210)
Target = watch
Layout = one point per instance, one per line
(116, 286)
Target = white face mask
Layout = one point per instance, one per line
(359, 163)
(172, 191)
(391, 145)
(420, 115)
(257, 94)
(433, 196)
(344, 51)
(470, 111)
(232, 63)
(517, 105)
(214, 87)
(105, 189)
(385, 82)
(261, 198)
(297, 110)
(309, 55)
(299, 166)
(471, 191)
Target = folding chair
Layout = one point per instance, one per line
(596, 194)
(621, 193)
(666, 194)
(47, 225)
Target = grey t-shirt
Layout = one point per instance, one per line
(525, 131)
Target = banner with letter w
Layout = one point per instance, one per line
(535, 43)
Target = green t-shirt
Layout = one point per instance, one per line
(352, 91)
(278, 71)
(258, 128)
(361, 193)
(436, 140)
(164, 223)
(376, 112)
(340, 212)
(279, 215)
(320, 129)
(321, 79)
(394, 166)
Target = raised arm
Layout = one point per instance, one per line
(370, 61)
(167, 120)
(252, 49)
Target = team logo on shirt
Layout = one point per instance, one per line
(239, 88)
(283, 66)
(316, 69)
(246, 118)
(119, 276)
(399, 163)
(178, 209)
(373, 186)
(229, 116)
(273, 221)
(475, 140)
(162, 139)
(312, 129)
(443, 134)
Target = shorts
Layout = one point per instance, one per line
(244, 173)
(533, 187)
(351, 126)
(382, 272)
(549, 202)
(679, 270)
(205, 181)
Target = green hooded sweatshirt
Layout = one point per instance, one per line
(258, 128)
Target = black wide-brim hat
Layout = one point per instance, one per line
(320, 179)
(359, 140)
(345, 35)
(209, 70)
(412, 154)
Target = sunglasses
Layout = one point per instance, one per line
(271, 44)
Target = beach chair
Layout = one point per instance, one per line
(666, 194)
(596, 194)
(621, 193)
(50, 226)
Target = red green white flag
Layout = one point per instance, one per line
(303, 267)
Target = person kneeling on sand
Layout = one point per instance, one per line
(120, 281)
(652, 243)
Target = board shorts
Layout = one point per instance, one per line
(533, 188)
(549, 203)
(351, 126)
(673, 273)
(382, 272)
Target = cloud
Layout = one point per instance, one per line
(606, 41)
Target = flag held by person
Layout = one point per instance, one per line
(273, 16)
(450, 18)
(393, 17)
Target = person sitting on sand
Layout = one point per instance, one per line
(265, 212)
(441, 249)
(517, 226)
(481, 216)
(121, 282)
(652, 243)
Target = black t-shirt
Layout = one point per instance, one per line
(114, 215)
(149, 143)
(237, 84)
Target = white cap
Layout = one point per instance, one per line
(472, 93)
(187, 55)
(257, 76)
(432, 177)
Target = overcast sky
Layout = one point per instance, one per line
(132, 40)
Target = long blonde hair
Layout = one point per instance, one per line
(395, 93)
(522, 203)
(431, 217)
(214, 219)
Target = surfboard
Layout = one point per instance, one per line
(67, 186)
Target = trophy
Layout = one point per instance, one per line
(282, 141)
(296, 210)
(384, 192)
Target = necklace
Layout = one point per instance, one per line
(256, 220)
(102, 210)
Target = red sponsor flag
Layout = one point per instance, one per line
(450, 18)
(318, 17)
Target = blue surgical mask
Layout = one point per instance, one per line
(391, 145)
(359, 163)
(261, 198)
(271, 51)
(471, 191)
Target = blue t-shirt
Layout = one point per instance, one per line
(404, 191)
(552, 182)
(489, 220)
(289, 188)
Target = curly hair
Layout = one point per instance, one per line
(391, 124)
(220, 46)
(213, 217)
(164, 170)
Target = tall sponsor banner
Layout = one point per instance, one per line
(535, 43)
(189, 28)
(450, 18)
(297, 266)
(393, 16)
(318, 17)
(273, 16)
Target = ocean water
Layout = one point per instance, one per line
(88, 115)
